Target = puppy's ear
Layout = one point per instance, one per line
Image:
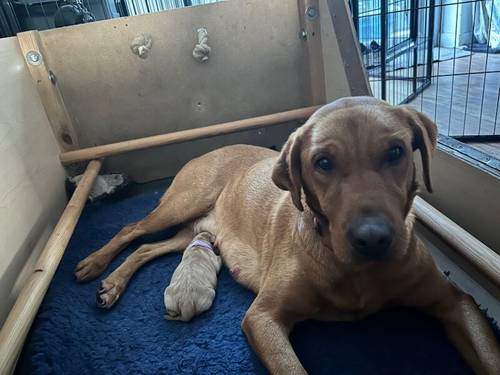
(424, 139)
(287, 170)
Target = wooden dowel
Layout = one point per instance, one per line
(481, 257)
(98, 152)
(23, 312)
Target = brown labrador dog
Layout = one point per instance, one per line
(322, 230)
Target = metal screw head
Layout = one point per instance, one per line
(34, 57)
(303, 34)
(312, 12)
(52, 77)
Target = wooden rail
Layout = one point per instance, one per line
(480, 256)
(98, 152)
(21, 316)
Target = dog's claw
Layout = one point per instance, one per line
(100, 301)
(108, 292)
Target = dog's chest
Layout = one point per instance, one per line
(352, 299)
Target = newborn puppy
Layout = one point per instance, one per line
(192, 287)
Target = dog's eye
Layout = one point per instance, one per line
(323, 164)
(394, 154)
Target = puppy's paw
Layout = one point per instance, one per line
(90, 267)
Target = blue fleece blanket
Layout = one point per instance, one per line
(72, 336)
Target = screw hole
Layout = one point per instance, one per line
(67, 138)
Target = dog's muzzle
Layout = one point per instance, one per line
(371, 235)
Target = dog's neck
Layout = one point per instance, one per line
(312, 229)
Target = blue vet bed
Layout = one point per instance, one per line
(72, 336)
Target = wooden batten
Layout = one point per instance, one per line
(349, 47)
(46, 84)
(22, 314)
(477, 254)
(311, 35)
(185, 135)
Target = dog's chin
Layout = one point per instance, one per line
(350, 257)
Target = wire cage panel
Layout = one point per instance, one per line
(24, 15)
(441, 56)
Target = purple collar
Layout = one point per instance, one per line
(203, 244)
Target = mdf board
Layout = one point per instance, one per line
(31, 177)
(258, 65)
(468, 195)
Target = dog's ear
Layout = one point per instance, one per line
(287, 170)
(424, 139)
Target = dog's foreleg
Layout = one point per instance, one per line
(464, 323)
(267, 332)
(469, 331)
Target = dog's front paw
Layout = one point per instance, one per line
(109, 291)
(90, 267)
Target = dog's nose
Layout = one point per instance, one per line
(371, 235)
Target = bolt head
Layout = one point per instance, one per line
(34, 57)
(312, 12)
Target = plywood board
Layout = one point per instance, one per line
(258, 65)
(31, 177)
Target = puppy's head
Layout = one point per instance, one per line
(353, 161)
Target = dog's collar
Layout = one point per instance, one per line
(203, 244)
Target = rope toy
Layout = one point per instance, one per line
(202, 49)
(141, 45)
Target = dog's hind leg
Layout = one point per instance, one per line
(166, 215)
(190, 196)
(113, 286)
(193, 194)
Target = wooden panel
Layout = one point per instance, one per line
(311, 35)
(31, 177)
(47, 88)
(20, 318)
(258, 65)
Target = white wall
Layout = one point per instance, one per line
(31, 178)
(456, 23)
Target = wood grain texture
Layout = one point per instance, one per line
(21, 316)
(490, 148)
(31, 178)
(314, 54)
(480, 256)
(50, 95)
(349, 48)
(185, 135)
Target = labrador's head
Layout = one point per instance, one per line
(353, 161)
